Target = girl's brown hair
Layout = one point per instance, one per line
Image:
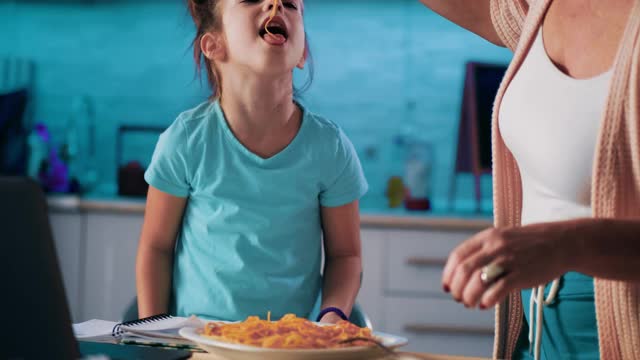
(206, 16)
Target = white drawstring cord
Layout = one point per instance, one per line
(537, 296)
(532, 300)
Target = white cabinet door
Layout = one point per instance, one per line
(109, 281)
(68, 236)
(416, 260)
(440, 326)
(370, 295)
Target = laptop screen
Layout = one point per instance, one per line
(36, 314)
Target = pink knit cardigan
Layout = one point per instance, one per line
(615, 183)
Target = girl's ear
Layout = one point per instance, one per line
(212, 46)
(304, 58)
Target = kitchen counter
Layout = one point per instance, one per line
(71, 203)
(374, 217)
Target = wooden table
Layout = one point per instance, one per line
(410, 356)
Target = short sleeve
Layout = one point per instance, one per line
(508, 18)
(347, 182)
(168, 170)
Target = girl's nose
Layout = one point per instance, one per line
(271, 3)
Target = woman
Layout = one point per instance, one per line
(566, 167)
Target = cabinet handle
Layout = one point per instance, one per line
(463, 330)
(424, 262)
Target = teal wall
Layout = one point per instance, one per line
(382, 68)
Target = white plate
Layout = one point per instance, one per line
(232, 351)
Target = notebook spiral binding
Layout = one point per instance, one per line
(117, 331)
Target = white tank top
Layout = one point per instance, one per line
(550, 122)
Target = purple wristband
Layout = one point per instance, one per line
(332, 309)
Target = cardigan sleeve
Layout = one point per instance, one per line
(508, 18)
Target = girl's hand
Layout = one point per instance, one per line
(530, 256)
(331, 318)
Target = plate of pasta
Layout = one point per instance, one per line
(291, 338)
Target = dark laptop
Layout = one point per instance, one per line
(35, 315)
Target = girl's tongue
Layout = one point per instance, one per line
(274, 39)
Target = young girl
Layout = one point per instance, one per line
(242, 187)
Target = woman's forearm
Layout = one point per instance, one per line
(473, 15)
(341, 282)
(153, 281)
(608, 248)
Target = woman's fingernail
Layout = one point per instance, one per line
(445, 288)
(482, 307)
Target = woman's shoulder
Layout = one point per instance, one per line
(508, 17)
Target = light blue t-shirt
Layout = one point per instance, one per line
(250, 240)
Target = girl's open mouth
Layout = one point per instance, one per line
(275, 31)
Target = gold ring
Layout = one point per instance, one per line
(490, 272)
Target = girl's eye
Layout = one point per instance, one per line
(287, 4)
(290, 5)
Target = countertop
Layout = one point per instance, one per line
(400, 356)
(376, 216)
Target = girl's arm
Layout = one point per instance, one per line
(343, 262)
(473, 15)
(154, 262)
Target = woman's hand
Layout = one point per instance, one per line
(530, 255)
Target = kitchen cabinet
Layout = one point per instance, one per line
(402, 292)
(370, 295)
(68, 235)
(110, 280)
(96, 251)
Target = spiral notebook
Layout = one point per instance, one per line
(159, 329)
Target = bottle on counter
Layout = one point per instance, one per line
(80, 143)
(418, 176)
(69, 153)
(395, 187)
(38, 145)
(89, 178)
(44, 163)
(395, 192)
